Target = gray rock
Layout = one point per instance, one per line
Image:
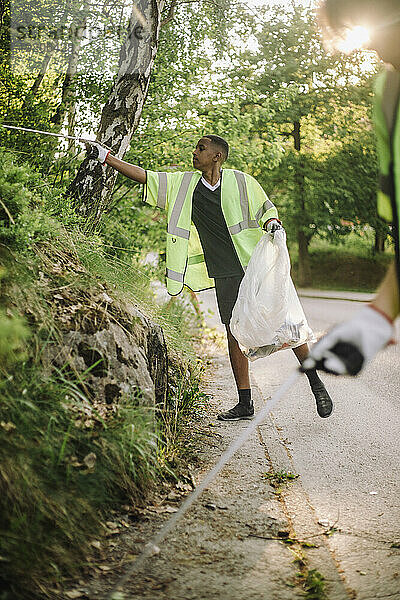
(121, 353)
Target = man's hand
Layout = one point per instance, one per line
(347, 348)
(272, 225)
(97, 151)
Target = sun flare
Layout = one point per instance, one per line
(353, 39)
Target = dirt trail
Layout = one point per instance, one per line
(222, 548)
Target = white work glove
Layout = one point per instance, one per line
(348, 347)
(272, 225)
(98, 151)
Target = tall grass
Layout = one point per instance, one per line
(65, 462)
(60, 468)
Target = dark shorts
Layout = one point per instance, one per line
(226, 289)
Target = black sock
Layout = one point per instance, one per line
(313, 377)
(245, 397)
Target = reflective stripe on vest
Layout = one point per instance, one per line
(266, 206)
(246, 223)
(174, 275)
(162, 190)
(173, 228)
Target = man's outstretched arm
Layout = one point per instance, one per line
(132, 171)
(105, 157)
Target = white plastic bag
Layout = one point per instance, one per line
(268, 316)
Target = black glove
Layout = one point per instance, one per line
(272, 225)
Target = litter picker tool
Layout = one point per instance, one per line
(152, 547)
(58, 135)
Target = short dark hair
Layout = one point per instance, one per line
(220, 143)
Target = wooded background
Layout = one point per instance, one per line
(99, 371)
(296, 117)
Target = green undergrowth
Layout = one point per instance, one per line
(279, 478)
(314, 585)
(352, 266)
(65, 462)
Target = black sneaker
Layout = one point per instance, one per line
(237, 413)
(323, 400)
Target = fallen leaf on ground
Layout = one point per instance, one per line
(130, 557)
(323, 522)
(8, 427)
(185, 487)
(174, 496)
(162, 509)
(159, 585)
(74, 594)
(90, 460)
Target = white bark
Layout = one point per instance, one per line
(93, 183)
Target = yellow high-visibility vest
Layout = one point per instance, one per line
(245, 207)
(387, 123)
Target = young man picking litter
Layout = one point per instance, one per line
(215, 219)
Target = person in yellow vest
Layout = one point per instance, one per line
(215, 219)
(352, 344)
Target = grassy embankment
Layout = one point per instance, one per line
(350, 266)
(63, 463)
(66, 462)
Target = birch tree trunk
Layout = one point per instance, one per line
(91, 189)
(68, 100)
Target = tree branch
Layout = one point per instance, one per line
(174, 4)
(171, 13)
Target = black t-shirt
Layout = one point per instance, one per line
(219, 253)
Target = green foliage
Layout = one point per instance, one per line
(13, 336)
(23, 194)
(133, 229)
(351, 267)
(279, 477)
(185, 403)
(314, 585)
(57, 474)
(66, 461)
(324, 181)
